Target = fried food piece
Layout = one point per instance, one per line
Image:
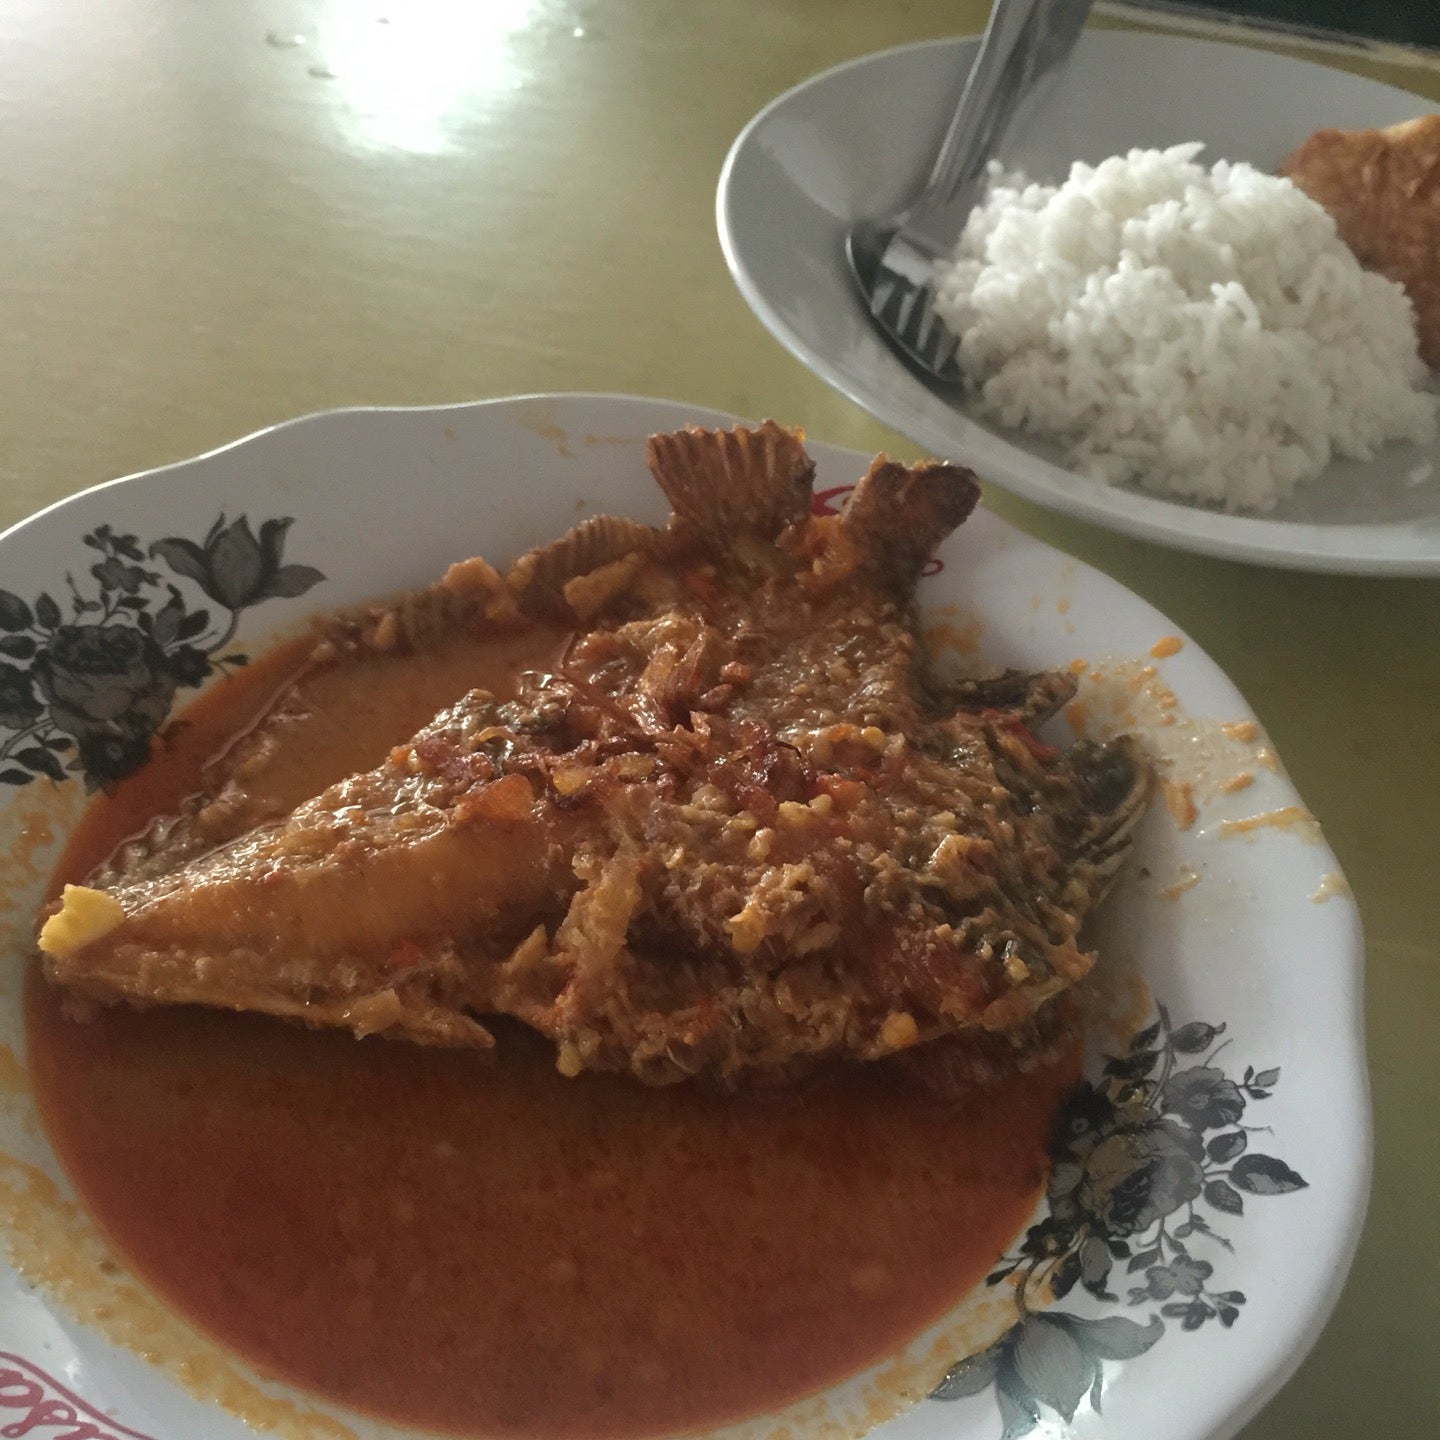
(737, 830)
(1382, 188)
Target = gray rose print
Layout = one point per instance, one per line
(91, 689)
(1138, 1161)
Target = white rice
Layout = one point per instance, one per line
(1200, 332)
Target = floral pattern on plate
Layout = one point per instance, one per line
(1137, 1158)
(93, 689)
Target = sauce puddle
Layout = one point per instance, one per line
(475, 1244)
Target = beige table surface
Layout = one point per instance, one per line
(207, 226)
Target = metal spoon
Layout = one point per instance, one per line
(893, 258)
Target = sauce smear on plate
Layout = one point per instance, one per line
(476, 1244)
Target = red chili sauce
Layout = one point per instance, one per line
(475, 1244)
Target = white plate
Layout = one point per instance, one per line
(383, 499)
(857, 140)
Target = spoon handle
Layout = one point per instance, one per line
(1024, 41)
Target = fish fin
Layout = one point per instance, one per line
(538, 579)
(726, 486)
(898, 514)
(1115, 780)
(1034, 697)
(469, 594)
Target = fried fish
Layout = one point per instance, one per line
(1382, 189)
(738, 829)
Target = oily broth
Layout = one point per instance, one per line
(475, 1244)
